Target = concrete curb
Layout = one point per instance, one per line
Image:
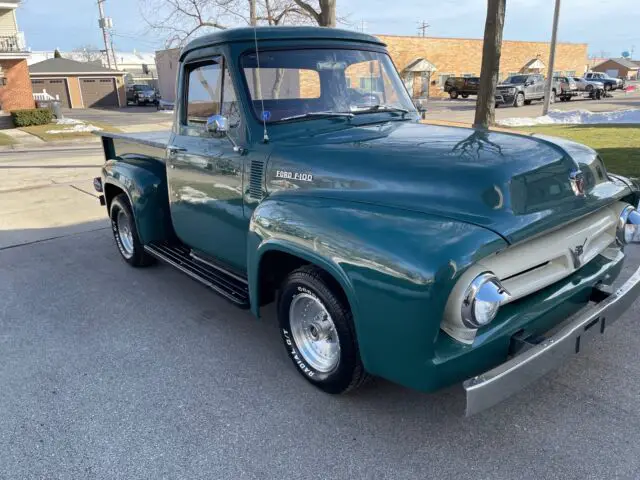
(51, 147)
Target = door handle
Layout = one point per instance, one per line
(173, 149)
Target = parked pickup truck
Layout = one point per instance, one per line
(609, 83)
(519, 90)
(423, 254)
(462, 86)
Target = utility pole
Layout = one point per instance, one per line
(106, 24)
(253, 16)
(552, 55)
(422, 27)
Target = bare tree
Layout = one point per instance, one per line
(179, 20)
(491, 51)
(87, 53)
(324, 14)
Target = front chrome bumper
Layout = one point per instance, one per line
(494, 386)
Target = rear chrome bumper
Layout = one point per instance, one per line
(498, 384)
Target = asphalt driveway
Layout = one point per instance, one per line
(110, 372)
(128, 116)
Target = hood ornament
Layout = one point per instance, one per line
(576, 178)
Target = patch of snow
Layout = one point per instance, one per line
(68, 121)
(574, 117)
(170, 112)
(77, 128)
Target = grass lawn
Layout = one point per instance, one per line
(41, 131)
(6, 140)
(618, 145)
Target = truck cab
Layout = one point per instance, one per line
(297, 171)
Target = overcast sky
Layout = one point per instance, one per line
(610, 26)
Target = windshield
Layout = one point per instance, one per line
(516, 79)
(295, 84)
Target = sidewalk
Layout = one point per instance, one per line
(27, 142)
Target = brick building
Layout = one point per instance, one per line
(618, 68)
(15, 85)
(426, 62)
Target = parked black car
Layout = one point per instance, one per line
(462, 86)
(141, 94)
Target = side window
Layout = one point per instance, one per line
(204, 88)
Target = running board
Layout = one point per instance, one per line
(228, 285)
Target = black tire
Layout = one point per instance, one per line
(588, 88)
(519, 100)
(465, 95)
(528, 102)
(567, 99)
(313, 283)
(453, 94)
(137, 257)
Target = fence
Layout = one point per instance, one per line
(44, 96)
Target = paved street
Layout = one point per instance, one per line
(463, 110)
(108, 372)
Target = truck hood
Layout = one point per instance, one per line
(517, 186)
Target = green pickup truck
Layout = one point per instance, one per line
(297, 171)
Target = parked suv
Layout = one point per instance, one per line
(463, 86)
(609, 83)
(141, 94)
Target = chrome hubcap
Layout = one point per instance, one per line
(125, 233)
(314, 332)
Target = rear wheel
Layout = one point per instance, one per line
(318, 332)
(453, 94)
(465, 95)
(125, 233)
(608, 87)
(527, 102)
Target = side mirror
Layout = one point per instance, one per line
(528, 83)
(218, 126)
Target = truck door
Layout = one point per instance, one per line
(205, 174)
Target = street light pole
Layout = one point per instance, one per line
(552, 55)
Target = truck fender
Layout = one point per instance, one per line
(396, 268)
(144, 181)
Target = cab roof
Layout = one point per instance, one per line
(278, 33)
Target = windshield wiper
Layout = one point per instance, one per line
(319, 114)
(385, 108)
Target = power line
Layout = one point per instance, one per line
(422, 27)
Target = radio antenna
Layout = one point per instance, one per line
(258, 87)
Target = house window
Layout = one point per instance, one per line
(468, 75)
(108, 80)
(37, 82)
(571, 73)
(443, 78)
(3, 82)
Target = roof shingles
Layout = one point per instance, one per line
(64, 65)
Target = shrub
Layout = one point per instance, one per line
(33, 116)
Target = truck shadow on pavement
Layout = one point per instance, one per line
(161, 351)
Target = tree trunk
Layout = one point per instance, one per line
(327, 13)
(491, 51)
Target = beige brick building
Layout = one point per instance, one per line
(463, 56)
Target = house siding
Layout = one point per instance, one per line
(17, 94)
(8, 24)
(623, 71)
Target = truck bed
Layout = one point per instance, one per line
(150, 144)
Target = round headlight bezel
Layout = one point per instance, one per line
(485, 288)
(629, 217)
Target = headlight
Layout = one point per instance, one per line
(628, 226)
(512, 90)
(482, 300)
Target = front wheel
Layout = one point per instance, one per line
(465, 95)
(453, 94)
(318, 333)
(519, 100)
(608, 87)
(125, 233)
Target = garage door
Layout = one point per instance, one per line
(99, 92)
(57, 87)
